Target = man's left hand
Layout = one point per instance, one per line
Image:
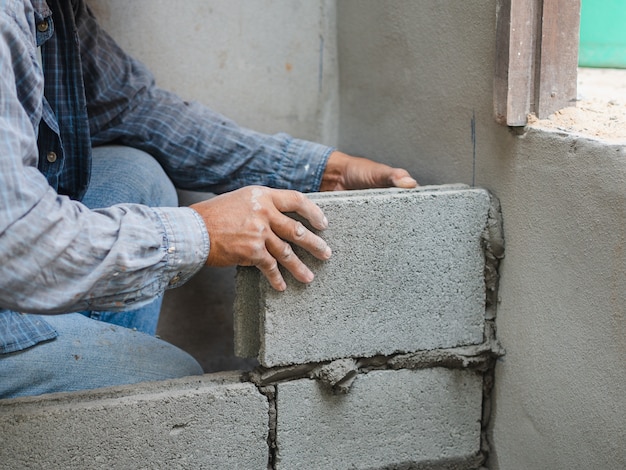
(346, 172)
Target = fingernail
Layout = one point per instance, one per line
(325, 222)
(406, 182)
(328, 252)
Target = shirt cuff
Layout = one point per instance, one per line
(304, 164)
(186, 243)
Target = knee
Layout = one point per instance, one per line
(90, 354)
(139, 176)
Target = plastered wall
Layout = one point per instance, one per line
(412, 75)
(270, 65)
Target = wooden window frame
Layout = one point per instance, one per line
(536, 58)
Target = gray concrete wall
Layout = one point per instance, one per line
(397, 412)
(270, 65)
(413, 75)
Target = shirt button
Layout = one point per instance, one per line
(174, 280)
(42, 26)
(51, 157)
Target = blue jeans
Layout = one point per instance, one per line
(100, 349)
(127, 175)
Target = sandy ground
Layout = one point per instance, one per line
(600, 112)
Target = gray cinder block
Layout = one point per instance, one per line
(205, 422)
(407, 274)
(390, 419)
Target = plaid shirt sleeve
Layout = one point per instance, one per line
(198, 148)
(58, 256)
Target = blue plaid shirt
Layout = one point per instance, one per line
(58, 256)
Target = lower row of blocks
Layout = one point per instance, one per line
(389, 418)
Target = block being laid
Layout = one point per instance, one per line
(407, 274)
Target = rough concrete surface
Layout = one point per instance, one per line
(388, 418)
(206, 422)
(407, 274)
(338, 375)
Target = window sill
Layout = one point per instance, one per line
(600, 111)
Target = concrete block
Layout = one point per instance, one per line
(407, 274)
(427, 418)
(206, 422)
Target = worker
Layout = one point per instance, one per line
(91, 235)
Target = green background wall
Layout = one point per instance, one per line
(603, 34)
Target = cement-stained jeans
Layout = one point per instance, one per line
(100, 349)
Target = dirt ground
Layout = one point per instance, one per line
(601, 108)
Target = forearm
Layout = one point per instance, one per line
(60, 257)
(205, 151)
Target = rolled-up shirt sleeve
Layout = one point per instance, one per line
(60, 256)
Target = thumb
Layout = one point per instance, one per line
(400, 178)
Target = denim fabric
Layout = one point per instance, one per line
(88, 353)
(124, 175)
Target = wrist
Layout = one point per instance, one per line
(333, 176)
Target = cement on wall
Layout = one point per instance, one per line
(563, 314)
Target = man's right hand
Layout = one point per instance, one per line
(248, 227)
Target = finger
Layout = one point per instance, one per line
(402, 179)
(294, 201)
(384, 176)
(283, 254)
(291, 230)
(268, 265)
